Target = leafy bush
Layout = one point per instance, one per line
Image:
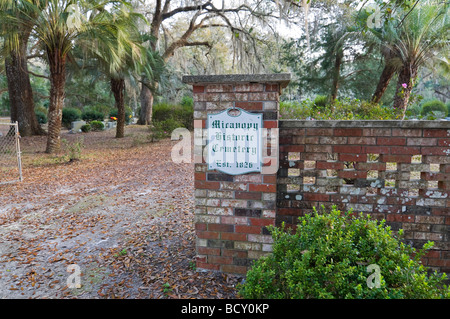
(321, 101)
(343, 109)
(91, 115)
(97, 125)
(329, 257)
(432, 107)
(69, 115)
(187, 101)
(183, 114)
(86, 128)
(41, 117)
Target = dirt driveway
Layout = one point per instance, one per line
(120, 220)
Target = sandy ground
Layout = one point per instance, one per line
(118, 222)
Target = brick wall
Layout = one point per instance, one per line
(395, 170)
(232, 212)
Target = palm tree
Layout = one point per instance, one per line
(58, 24)
(420, 37)
(121, 55)
(14, 53)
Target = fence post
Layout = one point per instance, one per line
(19, 154)
(233, 211)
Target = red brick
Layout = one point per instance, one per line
(353, 157)
(219, 88)
(198, 89)
(400, 218)
(405, 150)
(200, 226)
(396, 158)
(248, 229)
(270, 124)
(220, 260)
(316, 197)
(206, 185)
(348, 131)
(261, 221)
(435, 151)
(352, 174)
(234, 236)
(250, 105)
(208, 235)
(200, 176)
(221, 227)
(329, 165)
(391, 141)
(270, 179)
(444, 142)
(272, 88)
(352, 149)
(248, 195)
(266, 188)
(294, 148)
(208, 251)
(376, 149)
(319, 131)
(436, 133)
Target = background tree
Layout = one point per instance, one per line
(420, 37)
(16, 35)
(57, 26)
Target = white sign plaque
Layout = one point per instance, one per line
(235, 142)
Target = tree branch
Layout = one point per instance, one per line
(38, 75)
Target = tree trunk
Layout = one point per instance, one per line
(146, 97)
(406, 77)
(57, 65)
(336, 76)
(20, 91)
(385, 78)
(118, 90)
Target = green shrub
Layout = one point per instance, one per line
(86, 128)
(69, 115)
(91, 115)
(183, 114)
(321, 101)
(341, 109)
(329, 255)
(448, 108)
(41, 117)
(97, 125)
(187, 101)
(432, 107)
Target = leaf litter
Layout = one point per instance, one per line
(124, 214)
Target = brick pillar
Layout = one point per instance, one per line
(232, 211)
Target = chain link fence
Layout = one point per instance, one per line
(10, 162)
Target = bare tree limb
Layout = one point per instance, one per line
(39, 75)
